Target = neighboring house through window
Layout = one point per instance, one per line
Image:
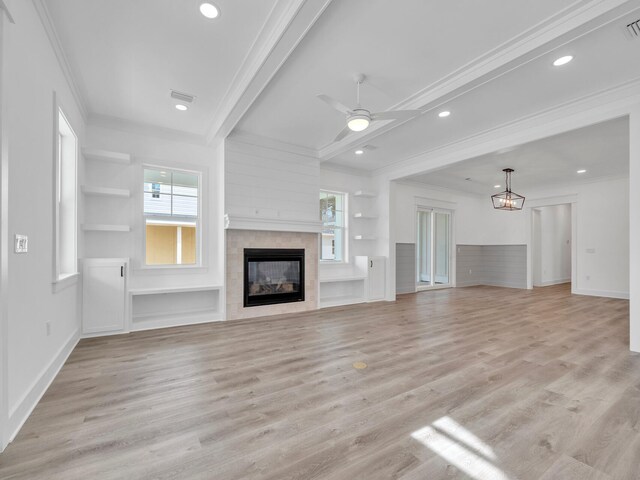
(333, 206)
(172, 216)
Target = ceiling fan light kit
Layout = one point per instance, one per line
(358, 119)
(507, 200)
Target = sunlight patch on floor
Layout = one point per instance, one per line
(461, 448)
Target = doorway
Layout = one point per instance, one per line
(433, 259)
(551, 245)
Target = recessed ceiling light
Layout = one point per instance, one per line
(562, 61)
(181, 107)
(582, 171)
(497, 186)
(209, 10)
(359, 152)
(444, 114)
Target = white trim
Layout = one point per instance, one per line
(25, 406)
(236, 222)
(601, 293)
(548, 283)
(64, 281)
(54, 40)
(4, 247)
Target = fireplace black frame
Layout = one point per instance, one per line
(273, 255)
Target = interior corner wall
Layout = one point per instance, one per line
(32, 75)
(634, 228)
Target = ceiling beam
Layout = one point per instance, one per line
(510, 55)
(288, 23)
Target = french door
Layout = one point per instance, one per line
(433, 248)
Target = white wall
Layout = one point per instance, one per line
(32, 74)
(152, 150)
(263, 183)
(552, 245)
(600, 228)
(634, 227)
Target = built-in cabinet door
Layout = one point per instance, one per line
(103, 298)
(376, 278)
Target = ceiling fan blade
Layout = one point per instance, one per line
(345, 131)
(395, 115)
(335, 104)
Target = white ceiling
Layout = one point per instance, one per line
(406, 49)
(602, 150)
(127, 54)
(489, 63)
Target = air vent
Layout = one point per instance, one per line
(633, 29)
(183, 97)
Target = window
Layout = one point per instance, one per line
(333, 208)
(66, 263)
(433, 247)
(171, 211)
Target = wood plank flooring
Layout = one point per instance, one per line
(473, 383)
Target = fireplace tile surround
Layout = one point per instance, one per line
(238, 240)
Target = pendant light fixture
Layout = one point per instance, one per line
(507, 200)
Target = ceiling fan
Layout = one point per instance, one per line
(358, 119)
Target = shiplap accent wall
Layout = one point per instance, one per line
(497, 265)
(266, 183)
(405, 267)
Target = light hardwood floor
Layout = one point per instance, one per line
(480, 382)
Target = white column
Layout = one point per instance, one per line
(634, 228)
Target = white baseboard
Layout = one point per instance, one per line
(20, 414)
(175, 321)
(601, 293)
(548, 283)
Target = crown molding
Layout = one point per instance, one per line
(288, 23)
(54, 40)
(581, 112)
(510, 55)
(272, 144)
(146, 129)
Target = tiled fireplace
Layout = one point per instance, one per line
(275, 278)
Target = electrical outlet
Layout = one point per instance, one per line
(588, 277)
(469, 271)
(48, 325)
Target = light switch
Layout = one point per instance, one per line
(22, 242)
(591, 250)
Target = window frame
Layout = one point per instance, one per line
(60, 278)
(202, 174)
(344, 228)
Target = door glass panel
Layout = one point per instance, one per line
(424, 248)
(441, 250)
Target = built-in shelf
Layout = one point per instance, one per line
(100, 227)
(363, 237)
(353, 278)
(362, 215)
(106, 156)
(106, 192)
(339, 301)
(364, 193)
(161, 290)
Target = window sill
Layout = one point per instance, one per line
(333, 262)
(64, 281)
(168, 269)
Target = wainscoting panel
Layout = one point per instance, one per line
(496, 265)
(405, 267)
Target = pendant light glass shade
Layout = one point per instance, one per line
(507, 200)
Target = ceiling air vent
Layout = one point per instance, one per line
(183, 97)
(633, 29)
